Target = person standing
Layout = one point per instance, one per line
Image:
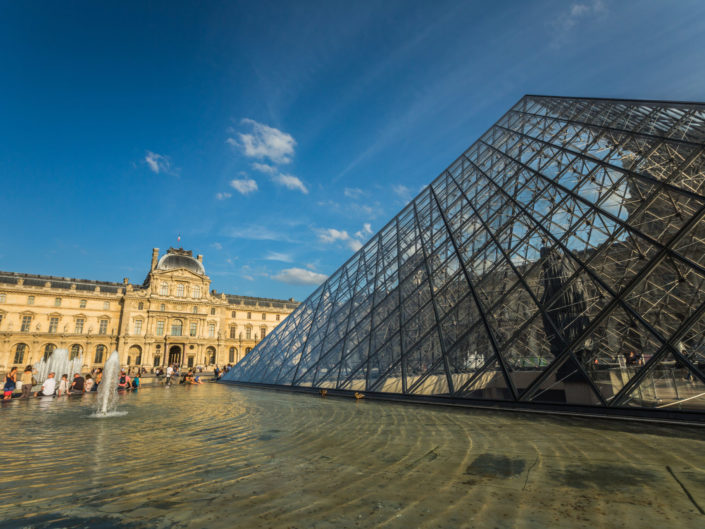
(169, 373)
(48, 387)
(10, 384)
(89, 383)
(98, 378)
(27, 382)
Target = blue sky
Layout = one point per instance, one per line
(276, 137)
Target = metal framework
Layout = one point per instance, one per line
(557, 264)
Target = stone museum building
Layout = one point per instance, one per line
(173, 317)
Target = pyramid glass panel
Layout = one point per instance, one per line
(558, 263)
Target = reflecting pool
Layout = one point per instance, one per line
(221, 456)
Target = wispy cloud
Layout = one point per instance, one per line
(403, 192)
(577, 13)
(217, 246)
(256, 233)
(277, 256)
(353, 192)
(331, 235)
(244, 186)
(158, 163)
(290, 182)
(366, 231)
(264, 142)
(300, 276)
(264, 168)
(222, 196)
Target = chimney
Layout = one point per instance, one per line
(200, 258)
(155, 257)
(125, 280)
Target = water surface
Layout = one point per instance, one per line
(221, 456)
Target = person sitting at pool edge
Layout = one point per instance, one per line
(78, 384)
(48, 387)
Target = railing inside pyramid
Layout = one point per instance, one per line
(558, 264)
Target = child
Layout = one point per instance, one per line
(136, 381)
(63, 386)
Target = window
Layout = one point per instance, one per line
(99, 352)
(3, 298)
(162, 307)
(48, 349)
(277, 317)
(233, 331)
(1, 318)
(180, 290)
(76, 351)
(140, 306)
(248, 332)
(53, 324)
(106, 305)
(213, 312)
(164, 289)
(20, 349)
(264, 315)
(195, 310)
(30, 300)
(196, 292)
(211, 330)
(138, 326)
(231, 357)
(79, 326)
(176, 327)
(57, 302)
(160, 328)
(233, 314)
(26, 322)
(248, 350)
(194, 329)
(82, 303)
(262, 332)
(103, 327)
(249, 315)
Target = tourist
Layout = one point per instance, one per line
(169, 373)
(28, 381)
(63, 386)
(98, 378)
(135, 382)
(78, 384)
(10, 384)
(216, 371)
(89, 383)
(48, 387)
(197, 379)
(122, 380)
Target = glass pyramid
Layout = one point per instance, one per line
(559, 262)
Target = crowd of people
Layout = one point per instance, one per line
(89, 383)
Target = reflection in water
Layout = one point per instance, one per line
(220, 456)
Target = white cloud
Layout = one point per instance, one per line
(300, 276)
(354, 245)
(402, 192)
(244, 185)
(264, 168)
(217, 246)
(256, 233)
(331, 235)
(222, 196)
(366, 231)
(265, 142)
(576, 14)
(290, 182)
(277, 256)
(158, 163)
(352, 192)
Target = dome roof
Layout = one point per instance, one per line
(172, 261)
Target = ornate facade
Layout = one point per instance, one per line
(173, 317)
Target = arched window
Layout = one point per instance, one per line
(231, 357)
(76, 351)
(20, 350)
(176, 327)
(99, 352)
(136, 353)
(164, 289)
(48, 349)
(210, 355)
(180, 290)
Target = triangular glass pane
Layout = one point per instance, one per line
(566, 384)
(669, 386)
(487, 384)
